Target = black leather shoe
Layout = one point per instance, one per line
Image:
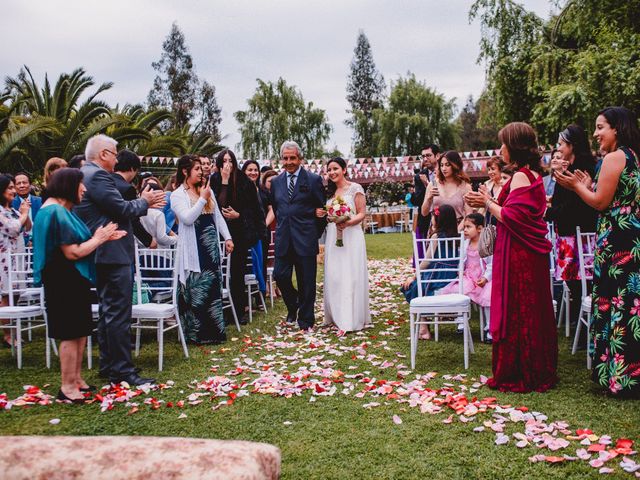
(133, 380)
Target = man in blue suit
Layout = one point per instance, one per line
(101, 204)
(295, 196)
(23, 193)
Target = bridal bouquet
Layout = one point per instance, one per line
(338, 211)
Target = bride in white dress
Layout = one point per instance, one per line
(346, 277)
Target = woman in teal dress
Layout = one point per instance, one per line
(615, 323)
(63, 263)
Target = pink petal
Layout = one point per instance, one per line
(397, 420)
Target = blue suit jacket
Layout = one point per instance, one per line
(36, 203)
(103, 203)
(297, 224)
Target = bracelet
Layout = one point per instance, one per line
(488, 203)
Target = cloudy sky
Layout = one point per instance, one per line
(308, 42)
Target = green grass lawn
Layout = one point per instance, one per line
(335, 436)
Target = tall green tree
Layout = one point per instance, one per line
(508, 33)
(562, 69)
(415, 116)
(365, 93)
(178, 89)
(278, 112)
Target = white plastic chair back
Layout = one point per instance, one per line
(158, 260)
(20, 275)
(586, 244)
(438, 250)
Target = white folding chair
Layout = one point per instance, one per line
(452, 308)
(251, 282)
(564, 313)
(271, 257)
(227, 299)
(370, 225)
(586, 251)
(20, 281)
(161, 317)
(404, 223)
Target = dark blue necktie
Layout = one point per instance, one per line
(291, 184)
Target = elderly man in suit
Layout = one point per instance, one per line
(23, 194)
(295, 196)
(102, 203)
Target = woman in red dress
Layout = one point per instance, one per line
(525, 342)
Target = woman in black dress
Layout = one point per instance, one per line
(63, 262)
(238, 200)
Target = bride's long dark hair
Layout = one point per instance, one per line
(331, 186)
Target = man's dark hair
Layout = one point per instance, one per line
(433, 147)
(64, 184)
(127, 161)
(25, 174)
(76, 161)
(266, 168)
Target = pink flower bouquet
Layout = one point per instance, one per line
(338, 211)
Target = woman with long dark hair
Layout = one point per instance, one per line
(568, 211)
(346, 277)
(63, 263)
(198, 254)
(523, 327)
(449, 187)
(238, 200)
(615, 324)
(12, 224)
(260, 249)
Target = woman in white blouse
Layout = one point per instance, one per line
(200, 224)
(154, 221)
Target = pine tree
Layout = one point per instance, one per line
(177, 88)
(365, 92)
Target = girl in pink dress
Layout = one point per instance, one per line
(476, 281)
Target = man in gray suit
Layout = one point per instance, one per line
(102, 203)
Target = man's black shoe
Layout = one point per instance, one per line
(292, 318)
(133, 380)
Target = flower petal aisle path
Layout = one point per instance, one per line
(341, 405)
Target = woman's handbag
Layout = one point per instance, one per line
(487, 241)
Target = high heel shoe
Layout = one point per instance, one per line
(63, 398)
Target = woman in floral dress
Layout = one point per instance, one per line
(615, 325)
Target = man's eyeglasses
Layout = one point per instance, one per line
(427, 155)
(111, 152)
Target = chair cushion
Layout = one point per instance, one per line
(586, 303)
(448, 300)
(29, 294)
(250, 278)
(137, 458)
(153, 310)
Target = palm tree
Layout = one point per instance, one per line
(75, 121)
(15, 130)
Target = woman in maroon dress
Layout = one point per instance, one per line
(525, 343)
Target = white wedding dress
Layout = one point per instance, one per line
(346, 277)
